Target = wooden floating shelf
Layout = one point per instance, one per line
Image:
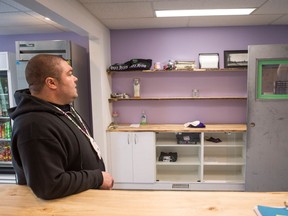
(163, 128)
(180, 98)
(176, 71)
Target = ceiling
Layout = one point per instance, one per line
(139, 14)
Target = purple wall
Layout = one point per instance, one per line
(160, 45)
(186, 43)
(7, 42)
(180, 84)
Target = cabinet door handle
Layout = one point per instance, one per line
(135, 139)
(128, 139)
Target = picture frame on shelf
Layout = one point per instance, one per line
(209, 60)
(235, 58)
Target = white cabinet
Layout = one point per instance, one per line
(132, 157)
(211, 158)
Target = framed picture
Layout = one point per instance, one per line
(235, 58)
(209, 60)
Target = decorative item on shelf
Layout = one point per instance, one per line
(169, 66)
(119, 95)
(195, 92)
(136, 86)
(133, 64)
(157, 66)
(214, 140)
(195, 124)
(168, 157)
(184, 65)
(235, 58)
(188, 138)
(209, 60)
(143, 118)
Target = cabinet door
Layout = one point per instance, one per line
(144, 157)
(121, 156)
(224, 157)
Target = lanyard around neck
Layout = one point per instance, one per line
(85, 131)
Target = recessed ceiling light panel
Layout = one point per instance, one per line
(204, 12)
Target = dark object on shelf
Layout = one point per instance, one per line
(235, 58)
(133, 64)
(188, 138)
(215, 140)
(195, 124)
(170, 66)
(168, 157)
(119, 95)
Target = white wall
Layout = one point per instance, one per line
(72, 15)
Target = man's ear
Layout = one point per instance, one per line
(51, 82)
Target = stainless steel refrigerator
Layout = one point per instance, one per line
(7, 87)
(73, 53)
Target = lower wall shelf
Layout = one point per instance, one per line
(178, 174)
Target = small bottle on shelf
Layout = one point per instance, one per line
(115, 116)
(143, 118)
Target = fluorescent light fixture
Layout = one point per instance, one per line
(204, 12)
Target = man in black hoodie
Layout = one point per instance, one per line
(53, 151)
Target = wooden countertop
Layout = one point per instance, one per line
(179, 128)
(20, 201)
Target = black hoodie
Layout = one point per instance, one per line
(49, 153)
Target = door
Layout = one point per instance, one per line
(267, 138)
(121, 156)
(144, 156)
(132, 157)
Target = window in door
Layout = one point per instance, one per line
(272, 79)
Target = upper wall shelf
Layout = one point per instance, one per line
(177, 71)
(180, 98)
